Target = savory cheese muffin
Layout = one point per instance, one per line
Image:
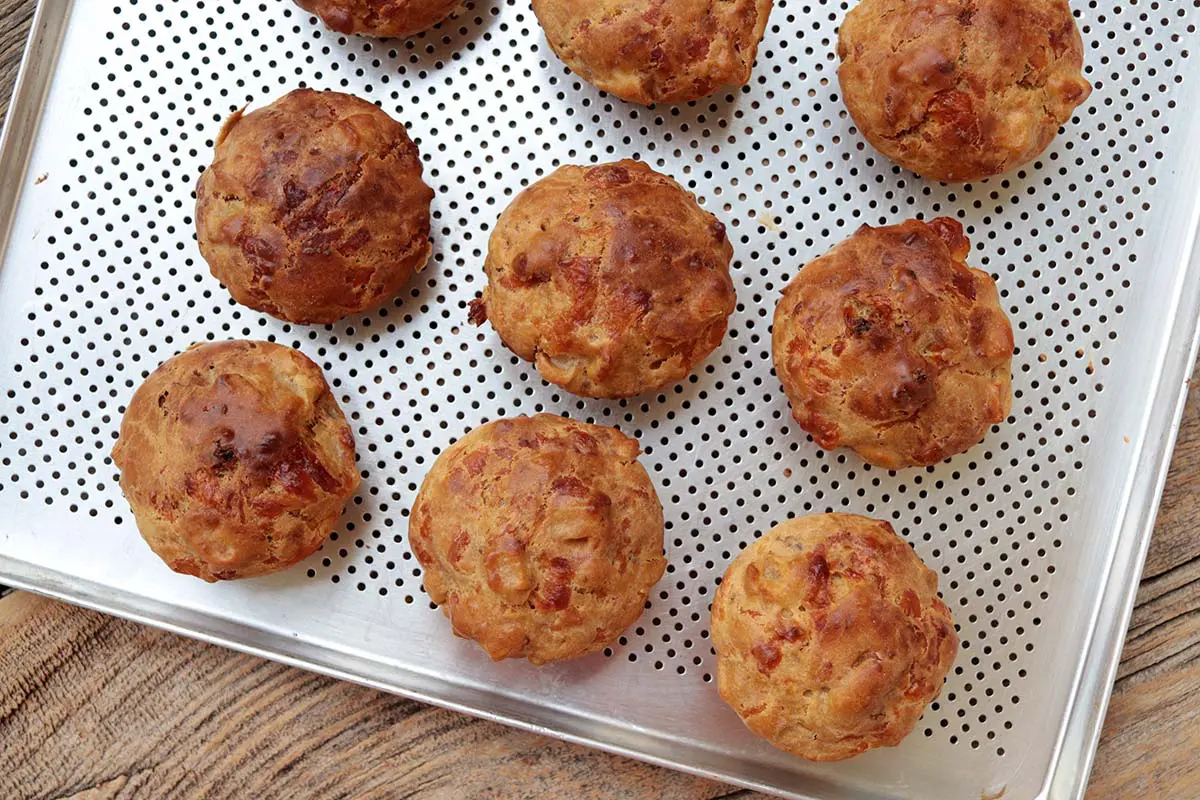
(236, 459)
(611, 279)
(380, 17)
(891, 345)
(656, 51)
(957, 90)
(314, 207)
(540, 537)
(830, 636)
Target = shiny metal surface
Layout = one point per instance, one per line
(1038, 534)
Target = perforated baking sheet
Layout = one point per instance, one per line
(1038, 534)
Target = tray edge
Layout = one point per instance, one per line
(24, 115)
(1079, 736)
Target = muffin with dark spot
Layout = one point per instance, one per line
(540, 537)
(611, 279)
(400, 18)
(891, 345)
(957, 90)
(830, 636)
(314, 207)
(656, 51)
(236, 459)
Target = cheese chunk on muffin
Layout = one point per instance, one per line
(540, 537)
(891, 345)
(656, 51)
(314, 207)
(236, 459)
(611, 279)
(830, 636)
(957, 90)
(383, 18)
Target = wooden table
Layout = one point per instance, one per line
(94, 707)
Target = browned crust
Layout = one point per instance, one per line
(656, 51)
(611, 279)
(229, 125)
(830, 636)
(236, 459)
(957, 90)
(891, 345)
(540, 537)
(314, 207)
(383, 18)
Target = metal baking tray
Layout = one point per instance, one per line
(1038, 534)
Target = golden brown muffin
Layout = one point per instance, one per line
(656, 51)
(541, 537)
(380, 17)
(235, 459)
(957, 90)
(830, 636)
(610, 279)
(314, 207)
(891, 345)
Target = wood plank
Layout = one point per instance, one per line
(92, 706)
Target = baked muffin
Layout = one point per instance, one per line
(891, 345)
(540, 537)
(830, 636)
(957, 90)
(314, 207)
(235, 459)
(380, 17)
(656, 51)
(610, 279)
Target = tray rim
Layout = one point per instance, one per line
(22, 119)
(1070, 765)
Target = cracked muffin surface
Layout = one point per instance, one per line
(656, 51)
(611, 279)
(891, 345)
(380, 17)
(541, 537)
(958, 90)
(235, 459)
(314, 207)
(830, 636)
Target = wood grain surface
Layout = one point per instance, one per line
(94, 707)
